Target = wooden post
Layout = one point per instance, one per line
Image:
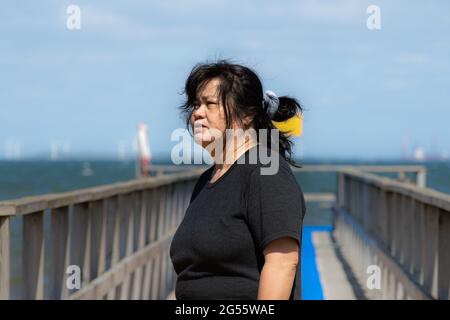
(129, 216)
(154, 235)
(444, 256)
(81, 240)
(409, 234)
(384, 282)
(395, 204)
(177, 194)
(142, 215)
(4, 258)
(340, 190)
(114, 212)
(430, 258)
(60, 252)
(165, 226)
(417, 241)
(155, 203)
(351, 204)
(383, 216)
(98, 225)
(33, 256)
(149, 198)
(401, 228)
(160, 233)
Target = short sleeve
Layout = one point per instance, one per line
(275, 206)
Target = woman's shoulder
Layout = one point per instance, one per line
(266, 169)
(265, 161)
(274, 186)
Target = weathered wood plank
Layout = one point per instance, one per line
(409, 234)
(156, 277)
(27, 205)
(150, 199)
(142, 233)
(153, 236)
(33, 256)
(121, 240)
(443, 256)
(430, 263)
(402, 224)
(59, 252)
(110, 207)
(120, 271)
(4, 258)
(112, 238)
(97, 217)
(417, 241)
(7, 208)
(81, 240)
(129, 216)
(156, 270)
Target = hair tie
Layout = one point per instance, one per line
(271, 102)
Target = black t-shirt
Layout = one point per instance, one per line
(217, 251)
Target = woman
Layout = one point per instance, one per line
(241, 235)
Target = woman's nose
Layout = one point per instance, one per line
(200, 112)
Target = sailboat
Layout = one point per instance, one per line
(143, 151)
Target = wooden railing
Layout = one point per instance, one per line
(400, 228)
(118, 235)
(419, 172)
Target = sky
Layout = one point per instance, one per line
(367, 93)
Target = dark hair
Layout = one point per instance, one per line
(241, 93)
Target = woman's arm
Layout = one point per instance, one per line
(278, 272)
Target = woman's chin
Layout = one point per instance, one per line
(203, 142)
(200, 140)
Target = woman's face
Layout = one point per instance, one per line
(208, 116)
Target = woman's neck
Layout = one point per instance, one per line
(231, 153)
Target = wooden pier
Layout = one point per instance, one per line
(119, 236)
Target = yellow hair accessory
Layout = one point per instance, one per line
(292, 126)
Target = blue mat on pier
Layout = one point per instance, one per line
(311, 286)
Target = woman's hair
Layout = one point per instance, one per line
(241, 92)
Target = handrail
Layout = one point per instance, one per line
(118, 235)
(404, 227)
(32, 204)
